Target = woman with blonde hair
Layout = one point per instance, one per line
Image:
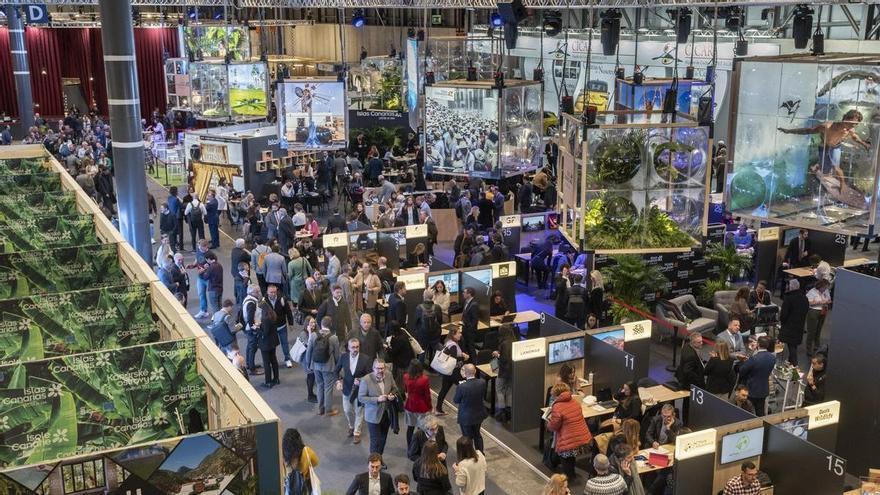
(628, 435)
(719, 370)
(558, 485)
(597, 296)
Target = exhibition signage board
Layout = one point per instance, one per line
(528, 349)
(826, 413)
(47, 232)
(335, 240)
(412, 281)
(636, 330)
(85, 403)
(59, 270)
(416, 231)
(768, 234)
(35, 205)
(505, 269)
(51, 325)
(695, 444)
(685, 271)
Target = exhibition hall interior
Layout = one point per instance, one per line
(385, 247)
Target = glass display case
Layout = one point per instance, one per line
(210, 97)
(633, 183)
(449, 57)
(805, 151)
(473, 128)
(649, 95)
(177, 85)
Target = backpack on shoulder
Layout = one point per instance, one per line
(321, 349)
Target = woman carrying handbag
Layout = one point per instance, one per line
(442, 364)
(299, 465)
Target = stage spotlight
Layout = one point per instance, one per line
(218, 14)
(357, 18)
(191, 13)
(802, 26)
(818, 42)
(495, 20)
(733, 17)
(609, 31)
(683, 25)
(741, 47)
(552, 24)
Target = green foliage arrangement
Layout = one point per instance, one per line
(30, 183)
(708, 290)
(629, 279)
(390, 89)
(608, 227)
(215, 41)
(383, 137)
(618, 156)
(19, 166)
(728, 260)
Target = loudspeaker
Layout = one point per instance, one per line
(638, 78)
(683, 27)
(429, 78)
(704, 111)
(512, 12)
(511, 32)
(471, 73)
(818, 43)
(609, 31)
(741, 48)
(590, 114)
(710, 73)
(538, 75)
(620, 73)
(689, 72)
(566, 105)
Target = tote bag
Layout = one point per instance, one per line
(297, 351)
(313, 478)
(443, 363)
(416, 347)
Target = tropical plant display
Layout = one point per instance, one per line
(52, 325)
(90, 402)
(217, 42)
(672, 161)
(23, 166)
(27, 273)
(629, 279)
(617, 156)
(47, 232)
(390, 92)
(382, 137)
(19, 206)
(30, 183)
(729, 262)
(613, 222)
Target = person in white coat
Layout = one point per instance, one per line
(470, 470)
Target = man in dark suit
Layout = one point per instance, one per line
(470, 316)
(382, 481)
(664, 427)
(386, 276)
(755, 373)
(396, 306)
(690, 368)
(337, 309)
(311, 298)
(469, 399)
(286, 233)
(799, 250)
(353, 366)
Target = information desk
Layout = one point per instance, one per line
(491, 377)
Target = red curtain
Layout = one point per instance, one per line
(96, 62)
(44, 58)
(77, 60)
(151, 46)
(8, 102)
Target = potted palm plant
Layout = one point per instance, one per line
(629, 279)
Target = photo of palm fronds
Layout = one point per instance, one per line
(47, 232)
(23, 166)
(18, 206)
(30, 183)
(45, 271)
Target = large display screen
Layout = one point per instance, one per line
(565, 350)
(484, 275)
(450, 280)
(742, 445)
(248, 85)
(207, 42)
(412, 74)
(462, 131)
(311, 114)
(797, 427)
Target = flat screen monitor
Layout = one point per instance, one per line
(565, 350)
(796, 426)
(362, 241)
(311, 114)
(533, 223)
(742, 445)
(484, 275)
(613, 337)
(450, 280)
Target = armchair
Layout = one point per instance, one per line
(722, 301)
(706, 323)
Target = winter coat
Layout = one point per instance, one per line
(567, 420)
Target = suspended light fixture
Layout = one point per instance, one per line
(552, 24)
(495, 20)
(609, 30)
(357, 18)
(802, 26)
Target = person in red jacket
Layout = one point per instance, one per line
(567, 422)
(418, 397)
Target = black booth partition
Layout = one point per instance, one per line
(818, 471)
(504, 281)
(481, 283)
(511, 228)
(707, 410)
(611, 366)
(391, 244)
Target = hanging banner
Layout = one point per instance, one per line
(47, 232)
(51, 325)
(35, 205)
(84, 403)
(59, 270)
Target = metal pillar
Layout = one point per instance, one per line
(20, 69)
(123, 100)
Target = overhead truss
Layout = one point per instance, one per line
(441, 4)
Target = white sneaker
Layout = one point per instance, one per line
(200, 314)
(288, 363)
